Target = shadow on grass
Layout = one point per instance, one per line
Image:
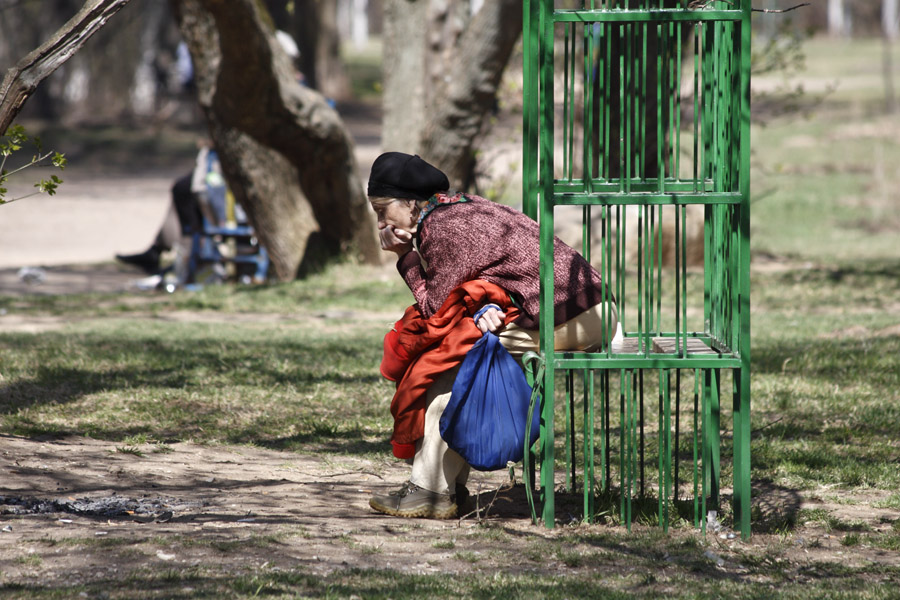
(199, 387)
(336, 442)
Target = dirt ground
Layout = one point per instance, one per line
(214, 493)
(93, 511)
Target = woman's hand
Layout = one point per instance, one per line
(491, 320)
(395, 240)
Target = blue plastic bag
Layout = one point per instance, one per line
(485, 419)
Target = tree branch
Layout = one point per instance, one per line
(701, 4)
(783, 10)
(21, 80)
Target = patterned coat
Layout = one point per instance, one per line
(466, 237)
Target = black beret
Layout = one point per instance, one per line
(399, 175)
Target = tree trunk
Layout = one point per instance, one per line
(286, 155)
(331, 76)
(837, 18)
(403, 100)
(439, 110)
(468, 92)
(890, 25)
(306, 33)
(890, 19)
(144, 89)
(21, 80)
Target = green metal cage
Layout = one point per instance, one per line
(637, 117)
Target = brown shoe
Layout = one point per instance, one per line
(412, 501)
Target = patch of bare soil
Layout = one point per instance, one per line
(78, 504)
(79, 511)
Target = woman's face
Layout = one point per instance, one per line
(396, 213)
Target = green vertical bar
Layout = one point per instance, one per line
(709, 80)
(742, 484)
(566, 100)
(684, 297)
(661, 451)
(661, 62)
(605, 274)
(621, 212)
(546, 265)
(528, 467)
(588, 137)
(708, 254)
(641, 444)
(530, 130)
(607, 435)
(530, 92)
(623, 445)
(697, 114)
(641, 113)
(659, 265)
(695, 454)
(607, 99)
(741, 424)
(666, 480)
(677, 446)
(712, 469)
(716, 86)
(648, 280)
(676, 66)
(640, 277)
(702, 442)
(569, 125)
(627, 104)
(570, 430)
(652, 266)
(632, 444)
(680, 350)
(604, 427)
(587, 159)
(588, 404)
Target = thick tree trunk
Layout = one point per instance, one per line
(468, 92)
(441, 79)
(285, 152)
(21, 81)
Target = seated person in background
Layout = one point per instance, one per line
(190, 194)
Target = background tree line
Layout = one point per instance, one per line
(128, 70)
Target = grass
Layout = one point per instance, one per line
(294, 367)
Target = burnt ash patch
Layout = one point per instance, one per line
(146, 508)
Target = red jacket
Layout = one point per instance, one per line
(418, 350)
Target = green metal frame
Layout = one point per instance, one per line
(639, 109)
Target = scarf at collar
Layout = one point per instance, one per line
(438, 200)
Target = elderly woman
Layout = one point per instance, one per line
(463, 256)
